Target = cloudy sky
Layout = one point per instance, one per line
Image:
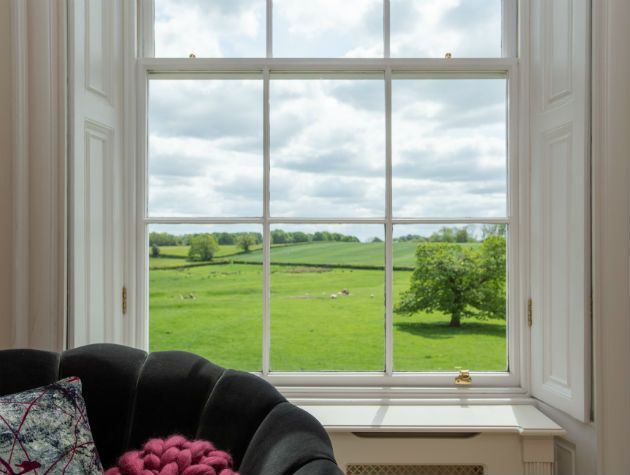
(328, 28)
(327, 133)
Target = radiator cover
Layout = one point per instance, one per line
(370, 469)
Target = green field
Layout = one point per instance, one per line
(175, 256)
(322, 317)
(338, 253)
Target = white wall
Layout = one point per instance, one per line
(6, 171)
(611, 232)
(576, 453)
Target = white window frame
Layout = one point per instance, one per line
(350, 384)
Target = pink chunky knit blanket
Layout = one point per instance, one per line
(174, 456)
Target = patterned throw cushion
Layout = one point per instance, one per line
(45, 430)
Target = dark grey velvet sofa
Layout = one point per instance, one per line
(131, 396)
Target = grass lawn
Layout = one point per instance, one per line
(216, 311)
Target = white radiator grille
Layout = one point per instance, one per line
(364, 469)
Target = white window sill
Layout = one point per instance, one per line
(522, 419)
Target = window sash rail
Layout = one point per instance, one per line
(293, 220)
(377, 380)
(483, 67)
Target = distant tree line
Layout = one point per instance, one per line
(451, 234)
(223, 239)
(456, 234)
(278, 236)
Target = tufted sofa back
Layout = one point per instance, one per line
(131, 396)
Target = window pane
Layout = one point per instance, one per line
(327, 307)
(449, 147)
(327, 147)
(328, 28)
(432, 28)
(450, 298)
(205, 148)
(210, 28)
(202, 298)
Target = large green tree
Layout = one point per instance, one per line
(246, 242)
(458, 280)
(492, 288)
(202, 247)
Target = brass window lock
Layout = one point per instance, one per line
(463, 377)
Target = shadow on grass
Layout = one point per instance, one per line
(442, 331)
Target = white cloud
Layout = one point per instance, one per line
(328, 28)
(314, 17)
(208, 108)
(338, 143)
(429, 28)
(200, 177)
(430, 198)
(217, 28)
(449, 156)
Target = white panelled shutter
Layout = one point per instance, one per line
(560, 243)
(96, 181)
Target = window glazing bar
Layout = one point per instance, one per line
(509, 33)
(266, 341)
(386, 29)
(269, 29)
(389, 231)
(141, 336)
(146, 29)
